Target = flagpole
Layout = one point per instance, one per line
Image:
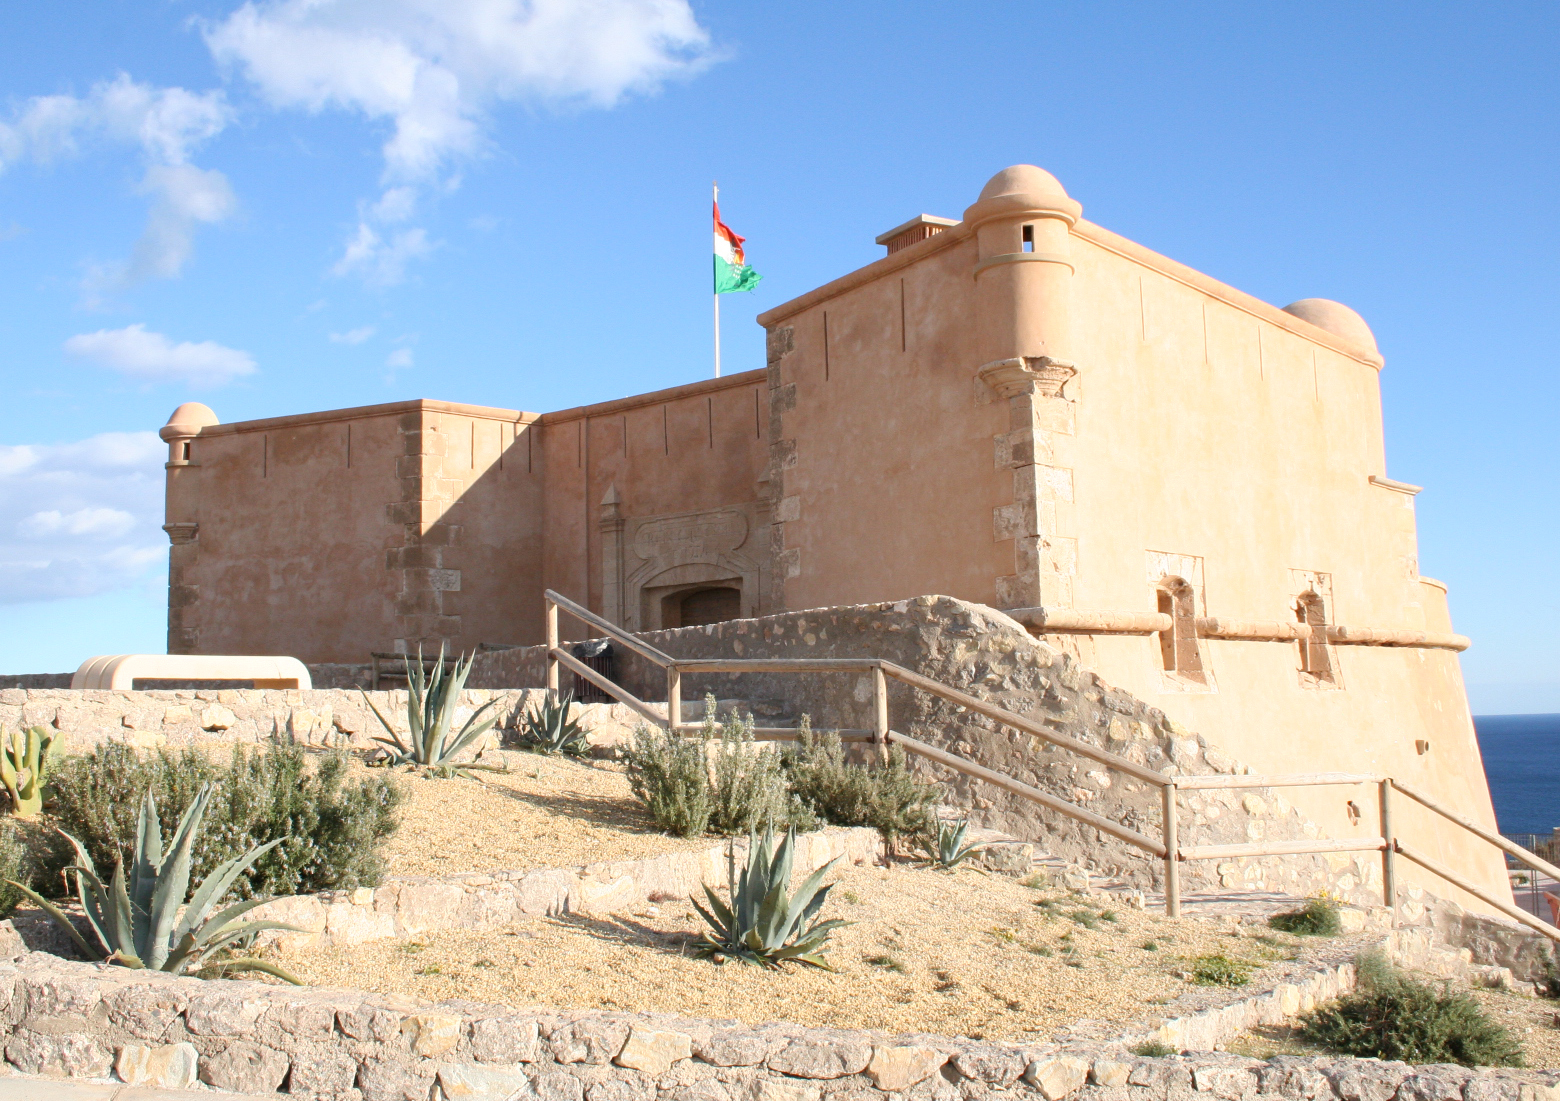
(715, 199)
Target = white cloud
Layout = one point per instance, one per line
(167, 124)
(107, 523)
(434, 69)
(380, 261)
(80, 518)
(353, 336)
(153, 357)
(399, 359)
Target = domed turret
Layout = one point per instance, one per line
(1023, 189)
(187, 420)
(1337, 319)
(185, 424)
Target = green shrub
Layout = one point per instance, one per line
(547, 728)
(946, 848)
(748, 791)
(16, 864)
(1317, 918)
(886, 797)
(431, 702)
(1220, 970)
(141, 920)
(1394, 1016)
(670, 776)
(333, 829)
(1152, 1049)
(763, 923)
(24, 767)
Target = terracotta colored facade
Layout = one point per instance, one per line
(1182, 485)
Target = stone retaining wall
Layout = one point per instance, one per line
(317, 717)
(147, 1028)
(413, 906)
(985, 653)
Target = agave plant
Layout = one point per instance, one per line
(430, 717)
(947, 849)
(24, 762)
(548, 729)
(765, 924)
(139, 923)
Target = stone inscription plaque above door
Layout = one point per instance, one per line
(648, 559)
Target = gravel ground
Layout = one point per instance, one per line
(1534, 1022)
(961, 953)
(545, 812)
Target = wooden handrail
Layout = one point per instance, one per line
(776, 665)
(1285, 848)
(1477, 892)
(1303, 780)
(1528, 858)
(1169, 849)
(584, 615)
(1083, 749)
(606, 684)
(1034, 795)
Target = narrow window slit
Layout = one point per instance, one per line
(1029, 238)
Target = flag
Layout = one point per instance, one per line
(731, 271)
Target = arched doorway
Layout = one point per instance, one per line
(696, 607)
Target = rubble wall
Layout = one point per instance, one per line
(150, 1029)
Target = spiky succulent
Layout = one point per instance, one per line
(24, 763)
(947, 849)
(430, 718)
(138, 922)
(765, 924)
(548, 729)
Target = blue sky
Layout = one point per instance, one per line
(283, 207)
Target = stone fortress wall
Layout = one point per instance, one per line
(1180, 486)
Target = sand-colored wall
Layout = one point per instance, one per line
(330, 535)
(1044, 420)
(1194, 421)
(689, 449)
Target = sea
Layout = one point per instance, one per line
(1522, 763)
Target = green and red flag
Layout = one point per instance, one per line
(731, 270)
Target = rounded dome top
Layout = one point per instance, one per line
(188, 419)
(1336, 318)
(1026, 180)
(1023, 189)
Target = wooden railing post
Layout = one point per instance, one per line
(1172, 854)
(880, 713)
(552, 644)
(673, 698)
(1388, 872)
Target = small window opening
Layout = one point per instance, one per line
(1178, 650)
(1315, 660)
(186, 449)
(1029, 238)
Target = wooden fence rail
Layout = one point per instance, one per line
(1168, 849)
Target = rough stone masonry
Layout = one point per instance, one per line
(147, 1028)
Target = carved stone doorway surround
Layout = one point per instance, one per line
(646, 559)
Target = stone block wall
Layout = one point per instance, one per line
(149, 1029)
(249, 715)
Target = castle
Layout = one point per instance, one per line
(1181, 485)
